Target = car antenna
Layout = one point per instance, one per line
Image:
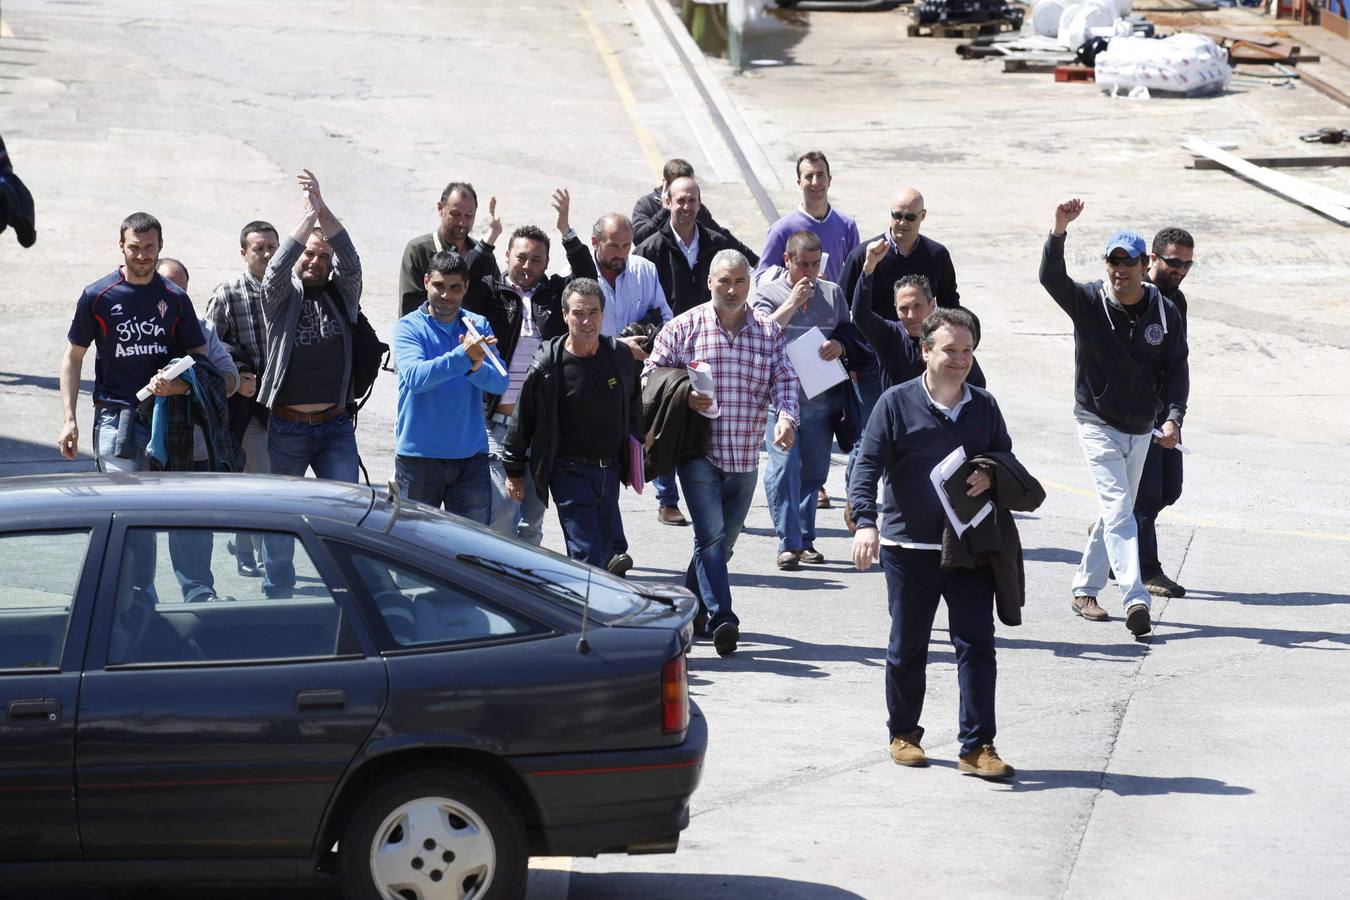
(583, 647)
(398, 507)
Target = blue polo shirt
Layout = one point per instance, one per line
(440, 402)
(136, 329)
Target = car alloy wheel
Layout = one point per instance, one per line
(444, 835)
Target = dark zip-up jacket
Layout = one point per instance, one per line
(500, 305)
(1124, 374)
(649, 217)
(532, 437)
(899, 356)
(685, 287)
(675, 433)
(995, 543)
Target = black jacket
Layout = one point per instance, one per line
(675, 433)
(532, 437)
(649, 217)
(994, 542)
(1125, 374)
(500, 305)
(684, 287)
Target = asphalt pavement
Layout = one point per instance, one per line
(1202, 761)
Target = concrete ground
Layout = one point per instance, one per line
(1198, 762)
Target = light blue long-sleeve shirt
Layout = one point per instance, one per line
(440, 401)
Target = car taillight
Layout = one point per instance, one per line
(674, 696)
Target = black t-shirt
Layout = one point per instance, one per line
(314, 373)
(590, 407)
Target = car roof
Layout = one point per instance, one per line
(149, 491)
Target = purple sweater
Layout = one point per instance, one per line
(838, 236)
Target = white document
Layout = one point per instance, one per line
(1180, 446)
(816, 375)
(940, 473)
(701, 380)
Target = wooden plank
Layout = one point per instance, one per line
(961, 30)
(1276, 162)
(1332, 204)
(1041, 66)
(1321, 86)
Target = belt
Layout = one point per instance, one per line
(606, 462)
(500, 418)
(286, 414)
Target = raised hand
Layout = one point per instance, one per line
(562, 202)
(494, 224)
(876, 252)
(309, 184)
(1066, 212)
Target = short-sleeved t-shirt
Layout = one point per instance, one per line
(136, 329)
(590, 407)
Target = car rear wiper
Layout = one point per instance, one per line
(520, 573)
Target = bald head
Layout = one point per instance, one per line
(612, 241)
(173, 270)
(684, 200)
(907, 215)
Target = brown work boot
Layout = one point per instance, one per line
(787, 560)
(1161, 586)
(985, 763)
(671, 515)
(822, 499)
(905, 751)
(1087, 608)
(811, 555)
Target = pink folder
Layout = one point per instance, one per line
(637, 473)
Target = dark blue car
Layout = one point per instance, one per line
(428, 705)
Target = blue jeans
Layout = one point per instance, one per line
(793, 477)
(915, 581)
(1159, 488)
(329, 448)
(463, 486)
(718, 502)
(1116, 461)
(869, 392)
(524, 520)
(587, 498)
(667, 492)
(105, 441)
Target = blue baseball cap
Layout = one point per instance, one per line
(1129, 240)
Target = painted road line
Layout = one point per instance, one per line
(624, 90)
(550, 878)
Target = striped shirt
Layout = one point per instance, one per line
(235, 311)
(526, 345)
(750, 369)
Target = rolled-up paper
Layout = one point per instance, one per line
(473, 336)
(172, 371)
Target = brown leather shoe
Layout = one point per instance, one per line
(905, 751)
(1161, 586)
(671, 515)
(848, 518)
(1087, 608)
(822, 499)
(787, 560)
(984, 762)
(811, 555)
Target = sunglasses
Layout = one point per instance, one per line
(1122, 262)
(904, 216)
(1174, 263)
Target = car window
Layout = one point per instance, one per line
(183, 596)
(516, 564)
(422, 609)
(39, 572)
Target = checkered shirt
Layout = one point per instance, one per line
(235, 308)
(750, 369)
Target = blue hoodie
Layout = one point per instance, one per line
(440, 402)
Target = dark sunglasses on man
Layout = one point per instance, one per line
(1122, 262)
(904, 216)
(1174, 263)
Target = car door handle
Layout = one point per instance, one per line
(35, 709)
(321, 700)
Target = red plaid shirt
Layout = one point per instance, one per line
(751, 371)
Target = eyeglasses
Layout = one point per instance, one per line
(1122, 262)
(904, 216)
(1174, 263)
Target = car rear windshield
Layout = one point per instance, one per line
(518, 564)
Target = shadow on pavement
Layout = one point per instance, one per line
(1270, 637)
(1293, 598)
(20, 457)
(789, 656)
(1121, 785)
(678, 885)
(1051, 554)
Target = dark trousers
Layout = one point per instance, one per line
(587, 498)
(1159, 488)
(462, 486)
(915, 581)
